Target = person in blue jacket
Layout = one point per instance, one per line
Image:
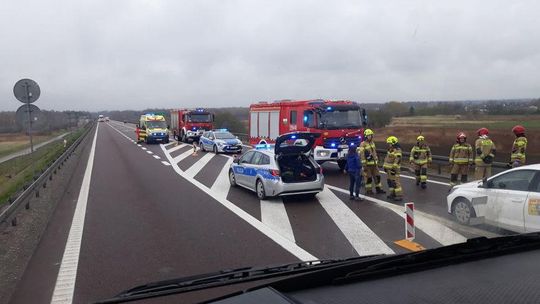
(354, 168)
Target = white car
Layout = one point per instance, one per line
(509, 200)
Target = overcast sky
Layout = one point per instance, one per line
(97, 55)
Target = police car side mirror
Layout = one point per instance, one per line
(236, 160)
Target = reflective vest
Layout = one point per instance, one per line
(393, 159)
(461, 154)
(368, 153)
(484, 148)
(420, 155)
(518, 149)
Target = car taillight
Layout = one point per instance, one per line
(274, 172)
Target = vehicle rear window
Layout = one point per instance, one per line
(256, 158)
(265, 160)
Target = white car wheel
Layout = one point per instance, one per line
(463, 212)
(202, 147)
(261, 194)
(232, 178)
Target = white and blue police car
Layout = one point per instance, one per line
(220, 141)
(280, 169)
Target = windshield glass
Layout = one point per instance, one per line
(200, 117)
(153, 124)
(224, 135)
(435, 103)
(340, 119)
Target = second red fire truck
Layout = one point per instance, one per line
(188, 125)
(339, 122)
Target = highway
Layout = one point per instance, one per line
(140, 213)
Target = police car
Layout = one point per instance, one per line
(284, 168)
(509, 200)
(220, 141)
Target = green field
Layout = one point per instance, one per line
(17, 172)
(11, 143)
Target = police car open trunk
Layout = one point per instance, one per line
(292, 154)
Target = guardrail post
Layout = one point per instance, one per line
(50, 177)
(27, 206)
(439, 168)
(37, 193)
(45, 185)
(14, 221)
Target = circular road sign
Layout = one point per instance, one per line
(26, 90)
(36, 117)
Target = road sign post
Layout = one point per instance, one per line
(27, 91)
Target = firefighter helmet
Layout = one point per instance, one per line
(420, 138)
(461, 135)
(368, 132)
(392, 140)
(518, 130)
(482, 131)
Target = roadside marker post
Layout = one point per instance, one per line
(410, 232)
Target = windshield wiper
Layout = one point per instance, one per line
(223, 278)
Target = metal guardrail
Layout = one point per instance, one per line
(46, 175)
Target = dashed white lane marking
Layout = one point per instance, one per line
(156, 157)
(274, 215)
(149, 152)
(65, 282)
(165, 163)
(180, 157)
(276, 237)
(221, 185)
(363, 239)
(144, 148)
(196, 167)
(139, 145)
(180, 146)
(429, 224)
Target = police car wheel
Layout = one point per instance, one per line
(463, 211)
(261, 194)
(202, 147)
(232, 178)
(215, 149)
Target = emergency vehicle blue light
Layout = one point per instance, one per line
(262, 146)
(194, 128)
(222, 130)
(352, 144)
(293, 137)
(329, 108)
(305, 118)
(332, 145)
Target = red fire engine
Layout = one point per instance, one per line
(188, 125)
(340, 123)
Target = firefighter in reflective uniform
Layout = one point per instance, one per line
(392, 167)
(369, 159)
(485, 153)
(461, 157)
(517, 158)
(420, 158)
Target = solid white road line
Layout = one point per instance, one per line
(168, 144)
(221, 185)
(414, 178)
(276, 237)
(180, 157)
(171, 150)
(430, 224)
(274, 215)
(165, 163)
(65, 282)
(156, 157)
(363, 239)
(196, 167)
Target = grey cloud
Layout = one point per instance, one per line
(96, 55)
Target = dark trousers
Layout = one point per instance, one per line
(355, 183)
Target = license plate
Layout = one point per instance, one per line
(342, 154)
(343, 146)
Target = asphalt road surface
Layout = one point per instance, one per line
(153, 212)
